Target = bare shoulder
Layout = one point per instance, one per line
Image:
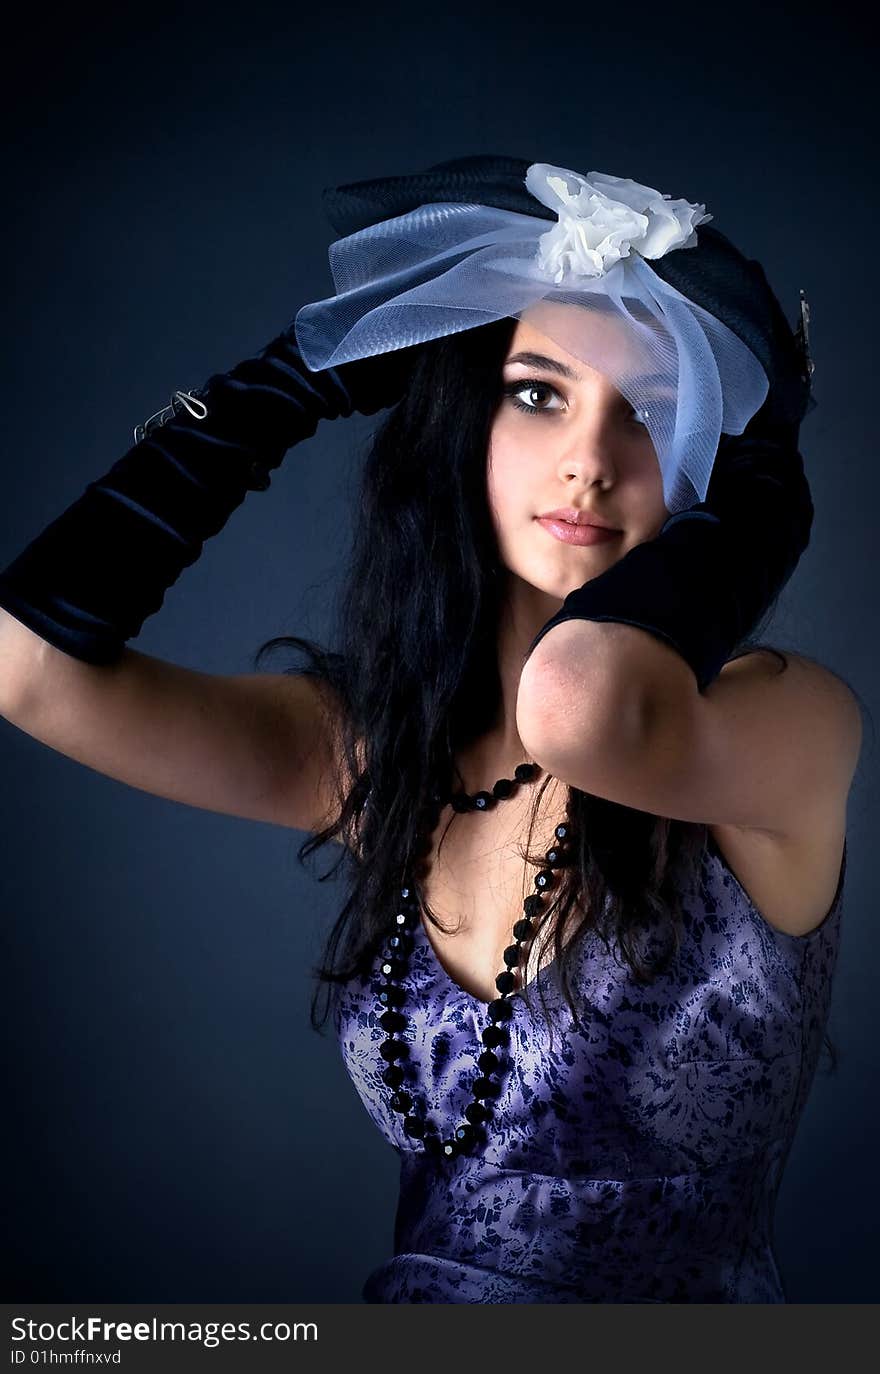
(792, 872)
(770, 746)
(821, 711)
(768, 664)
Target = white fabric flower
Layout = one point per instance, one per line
(602, 217)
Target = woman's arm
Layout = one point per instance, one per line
(259, 746)
(761, 749)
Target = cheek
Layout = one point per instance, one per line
(507, 476)
(639, 488)
(506, 500)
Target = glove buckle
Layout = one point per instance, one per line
(802, 334)
(181, 400)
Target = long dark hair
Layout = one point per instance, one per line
(416, 674)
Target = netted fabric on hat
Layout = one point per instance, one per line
(678, 320)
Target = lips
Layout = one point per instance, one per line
(572, 516)
(567, 532)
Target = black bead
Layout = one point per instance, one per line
(393, 1049)
(450, 1148)
(389, 995)
(523, 929)
(503, 788)
(464, 1136)
(401, 1101)
(544, 879)
(505, 982)
(484, 1087)
(499, 1010)
(533, 906)
(555, 858)
(393, 1075)
(524, 772)
(476, 1112)
(409, 897)
(460, 802)
(494, 1035)
(414, 1126)
(488, 1061)
(483, 801)
(392, 967)
(563, 831)
(395, 1020)
(400, 943)
(511, 955)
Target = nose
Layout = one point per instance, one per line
(588, 456)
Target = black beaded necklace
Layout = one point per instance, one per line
(469, 1134)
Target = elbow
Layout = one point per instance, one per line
(572, 725)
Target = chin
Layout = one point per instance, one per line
(554, 591)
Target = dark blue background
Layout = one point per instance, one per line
(177, 1130)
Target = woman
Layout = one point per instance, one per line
(624, 1141)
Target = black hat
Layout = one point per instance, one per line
(714, 274)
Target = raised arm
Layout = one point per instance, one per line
(252, 745)
(259, 746)
(90, 579)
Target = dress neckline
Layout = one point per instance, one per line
(713, 851)
(434, 960)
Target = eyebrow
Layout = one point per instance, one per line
(551, 364)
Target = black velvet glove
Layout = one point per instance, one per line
(90, 579)
(712, 572)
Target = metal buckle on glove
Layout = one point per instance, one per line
(181, 400)
(803, 337)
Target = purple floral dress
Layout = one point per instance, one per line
(639, 1158)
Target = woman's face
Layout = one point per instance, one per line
(564, 436)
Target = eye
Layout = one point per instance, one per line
(513, 390)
